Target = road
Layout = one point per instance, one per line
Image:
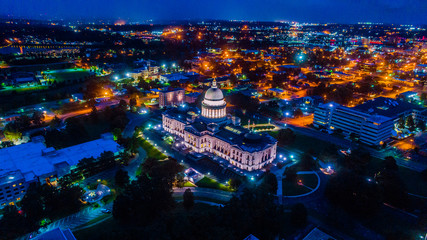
(98, 106)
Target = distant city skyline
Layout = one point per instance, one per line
(334, 11)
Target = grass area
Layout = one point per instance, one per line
(305, 143)
(23, 89)
(152, 152)
(68, 74)
(292, 188)
(189, 184)
(206, 182)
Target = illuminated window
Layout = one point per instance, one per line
(14, 185)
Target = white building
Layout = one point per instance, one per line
(214, 132)
(371, 128)
(23, 164)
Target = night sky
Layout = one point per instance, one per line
(340, 11)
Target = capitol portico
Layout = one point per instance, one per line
(215, 132)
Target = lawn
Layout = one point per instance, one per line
(189, 184)
(68, 74)
(206, 182)
(292, 188)
(23, 89)
(152, 152)
(304, 142)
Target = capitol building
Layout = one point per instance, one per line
(213, 131)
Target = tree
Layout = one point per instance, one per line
(254, 211)
(307, 162)
(55, 122)
(401, 123)
(123, 105)
(132, 103)
(393, 188)
(150, 195)
(299, 215)
(180, 179)
(32, 206)
(121, 178)
(12, 224)
(291, 174)
(37, 118)
(94, 114)
(358, 160)
(233, 79)
(354, 193)
(421, 125)
(423, 97)
(390, 163)
(188, 199)
(269, 183)
(424, 175)
(11, 132)
(286, 136)
(117, 133)
(298, 113)
(410, 124)
(235, 183)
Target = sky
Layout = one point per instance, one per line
(319, 11)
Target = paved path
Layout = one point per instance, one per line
(73, 221)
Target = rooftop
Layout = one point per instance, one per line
(57, 234)
(35, 159)
(387, 107)
(317, 234)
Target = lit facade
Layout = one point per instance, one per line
(215, 132)
(170, 97)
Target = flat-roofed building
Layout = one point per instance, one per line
(372, 129)
(22, 164)
(171, 96)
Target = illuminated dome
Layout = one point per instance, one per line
(214, 94)
(213, 105)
